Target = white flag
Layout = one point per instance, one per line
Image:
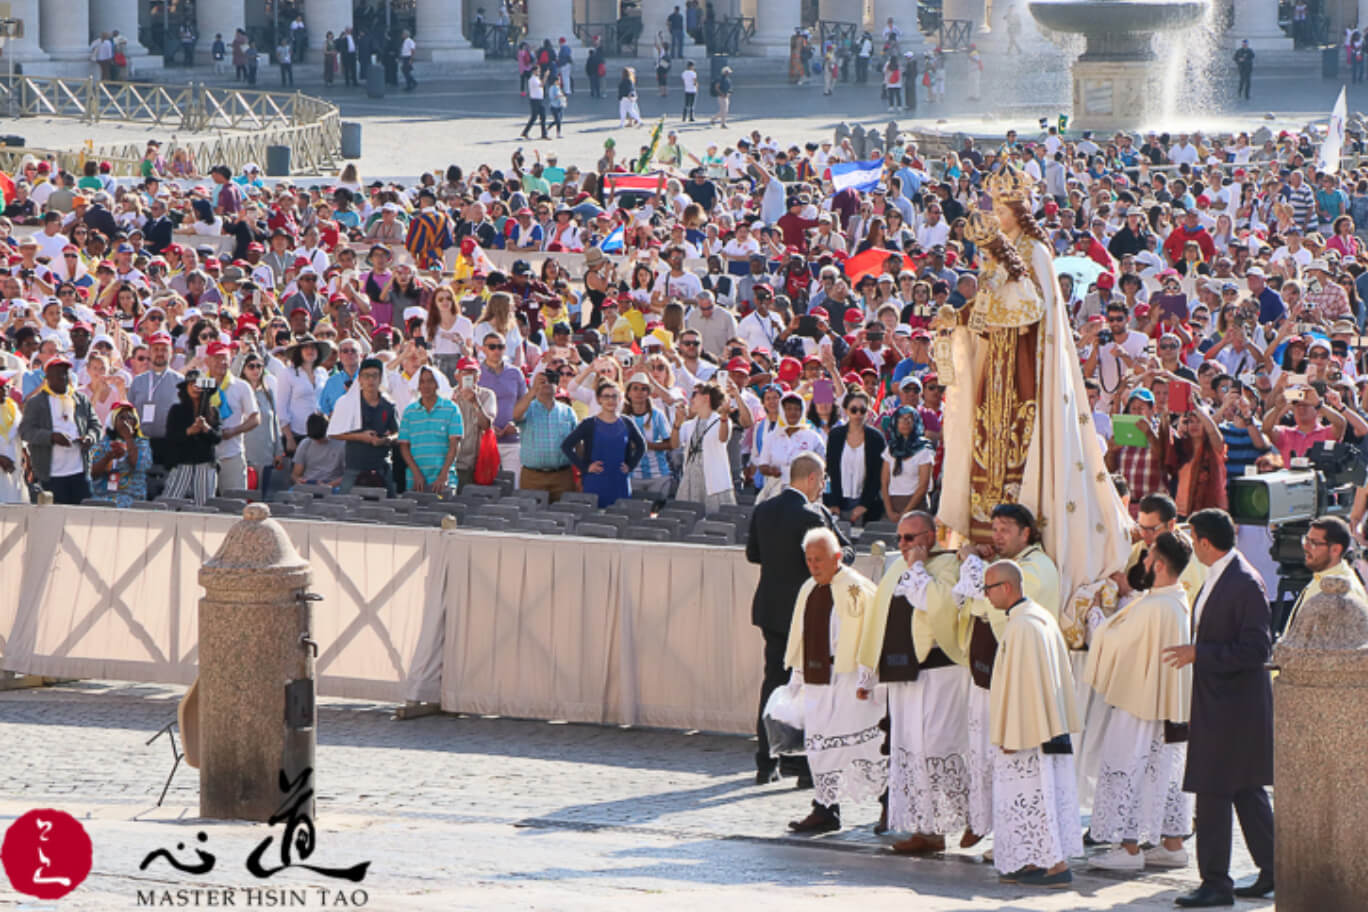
(1329, 160)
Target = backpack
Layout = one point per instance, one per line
(713, 89)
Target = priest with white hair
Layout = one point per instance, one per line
(842, 736)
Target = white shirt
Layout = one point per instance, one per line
(241, 399)
(931, 235)
(737, 248)
(51, 246)
(716, 464)
(298, 398)
(682, 286)
(1213, 576)
(852, 470)
(905, 482)
(1111, 368)
(406, 49)
(66, 460)
(757, 330)
(690, 80)
(534, 87)
(448, 341)
(1186, 153)
(782, 448)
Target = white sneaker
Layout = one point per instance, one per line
(1118, 859)
(1161, 857)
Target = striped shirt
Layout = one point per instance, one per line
(429, 233)
(429, 433)
(543, 430)
(655, 428)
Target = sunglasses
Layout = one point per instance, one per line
(492, 347)
(905, 537)
(857, 410)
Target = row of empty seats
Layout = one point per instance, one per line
(501, 508)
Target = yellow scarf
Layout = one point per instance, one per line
(9, 412)
(216, 400)
(68, 398)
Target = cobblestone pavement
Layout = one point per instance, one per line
(482, 813)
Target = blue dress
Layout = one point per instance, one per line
(612, 443)
(610, 448)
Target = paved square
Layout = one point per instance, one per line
(474, 813)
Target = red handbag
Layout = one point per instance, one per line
(487, 459)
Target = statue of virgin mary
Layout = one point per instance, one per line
(1017, 406)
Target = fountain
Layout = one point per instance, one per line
(1117, 81)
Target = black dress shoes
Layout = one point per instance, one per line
(804, 783)
(765, 777)
(1205, 897)
(1262, 886)
(819, 821)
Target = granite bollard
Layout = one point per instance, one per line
(1320, 754)
(256, 671)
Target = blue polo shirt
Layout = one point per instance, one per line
(429, 433)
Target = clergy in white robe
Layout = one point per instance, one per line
(1014, 537)
(842, 737)
(911, 638)
(1141, 744)
(1035, 802)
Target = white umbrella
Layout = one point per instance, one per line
(1084, 270)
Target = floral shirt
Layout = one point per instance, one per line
(132, 482)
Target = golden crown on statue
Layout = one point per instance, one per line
(982, 227)
(1010, 184)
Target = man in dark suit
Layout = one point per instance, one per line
(1230, 747)
(776, 544)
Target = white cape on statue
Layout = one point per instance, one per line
(1084, 527)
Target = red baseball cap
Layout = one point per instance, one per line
(854, 315)
(739, 364)
(156, 338)
(220, 348)
(1106, 280)
(820, 313)
(467, 364)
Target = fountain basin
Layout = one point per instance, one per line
(1116, 81)
(1089, 17)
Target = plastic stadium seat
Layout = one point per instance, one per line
(597, 530)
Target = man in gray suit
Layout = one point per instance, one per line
(153, 392)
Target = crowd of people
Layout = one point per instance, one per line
(1215, 288)
(748, 321)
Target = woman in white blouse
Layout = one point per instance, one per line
(299, 386)
(908, 461)
(450, 334)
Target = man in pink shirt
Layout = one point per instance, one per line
(1307, 428)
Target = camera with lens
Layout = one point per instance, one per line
(1104, 337)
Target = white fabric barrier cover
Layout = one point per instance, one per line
(585, 630)
(115, 594)
(601, 631)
